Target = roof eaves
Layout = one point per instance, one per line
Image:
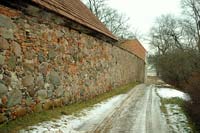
(72, 17)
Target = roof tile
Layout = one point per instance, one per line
(135, 47)
(78, 12)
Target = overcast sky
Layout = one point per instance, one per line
(142, 13)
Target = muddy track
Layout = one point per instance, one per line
(138, 113)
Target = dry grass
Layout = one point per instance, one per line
(34, 118)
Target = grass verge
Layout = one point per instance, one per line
(181, 103)
(34, 118)
(175, 100)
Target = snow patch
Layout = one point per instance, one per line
(74, 124)
(177, 120)
(171, 93)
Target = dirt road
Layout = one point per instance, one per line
(135, 112)
(138, 113)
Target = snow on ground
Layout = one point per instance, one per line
(70, 124)
(177, 120)
(171, 93)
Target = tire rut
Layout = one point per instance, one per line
(115, 119)
(138, 113)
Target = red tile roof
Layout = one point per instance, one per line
(78, 12)
(135, 47)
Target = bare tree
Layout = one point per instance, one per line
(97, 7)
(177, 41)
(116, 22)
(165, 34)
(191, 9)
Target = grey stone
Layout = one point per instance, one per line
(31, 91)
(42, 94)
(27, 26)
(2, 59)
(59, 34)
(49, 38)
(15, 83)
(59, 20)
(51, 54)
(50, 92)
(32, 10)
(50, 89)
(45, 15)
(14, 97)
(29, 101)
(28, 80)
(7, 34)
(28, 66)
(54, 78)
(60, 91)
(17, 49)
(12, 62)
(4, 44)
(3, 90)
(40, 81)
(43, 68)
(41, 57)
(6, 79)
(30, 55)
(6, 22)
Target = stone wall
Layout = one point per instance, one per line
(44, 64)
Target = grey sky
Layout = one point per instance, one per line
(142, 13)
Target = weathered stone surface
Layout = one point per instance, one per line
(32, 10)
(50, 89)
(2, 59)
(14, 97)
(67, 96)
(9, 12)
(12, 62)
(17, 49)
(28, 66)
(51, 54)
(28, 80)
(59, 34)
(7, 34)
(43, 60)
(54, 78)
(40, 81)
(41, 57)
(4, 44)
(29, 54)
(59, 21)
(6, 22)
(31, 91)
(29, 101)
(15, 83)
(6, 79)
(3, 90)
(43, 68)
(60, 91)
(42, 94)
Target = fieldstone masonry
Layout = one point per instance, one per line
(44, 64)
